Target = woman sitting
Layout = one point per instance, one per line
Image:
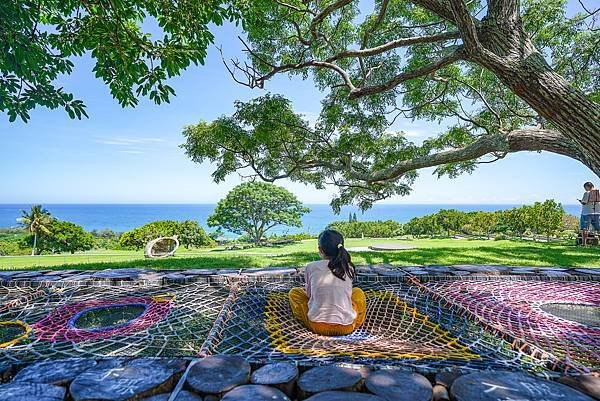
(330, 306)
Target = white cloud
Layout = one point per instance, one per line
(131, 151)
(128, 141)
(413, 133)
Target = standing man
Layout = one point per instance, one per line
(590, 210)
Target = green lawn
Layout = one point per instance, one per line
(430, 251)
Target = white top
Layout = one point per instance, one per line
(329, 298)
(589, 206)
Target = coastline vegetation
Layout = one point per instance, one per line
(537, 235)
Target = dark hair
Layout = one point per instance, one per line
(588, 185)
(331, 243)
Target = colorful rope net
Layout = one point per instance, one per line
(69, 321)
(541, 326)
(555, 320)
(405, 326)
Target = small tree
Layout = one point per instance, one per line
(36, 222)
(254, 208)
(64, 236)
(450, 220)
(547, 217)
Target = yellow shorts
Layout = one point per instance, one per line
(299, 305)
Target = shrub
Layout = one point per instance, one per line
(64, 236)
(189, 232)
(292, 237)
(13, 246)
(367, 229)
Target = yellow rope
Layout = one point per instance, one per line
(26, 331)
(289, 340)
(163, 298)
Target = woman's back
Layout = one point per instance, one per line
(330, 298)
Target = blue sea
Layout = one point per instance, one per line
(124, 217)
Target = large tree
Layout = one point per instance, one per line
(41, 40)
(504, 75)
(253, 208)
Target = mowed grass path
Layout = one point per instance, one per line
(429, 251)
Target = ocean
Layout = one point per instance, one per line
(124, 217)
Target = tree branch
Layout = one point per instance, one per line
(403, 42)
(466, 25)
(323, 14)
(407, 75)
(439, 7)
(534, 140)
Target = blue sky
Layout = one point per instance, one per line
(133, 156)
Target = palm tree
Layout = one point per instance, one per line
(35, 222)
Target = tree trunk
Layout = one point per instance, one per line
(34, 244)
(527, 74)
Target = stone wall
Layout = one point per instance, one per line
(231, 378)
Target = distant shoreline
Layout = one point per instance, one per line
(126, 216)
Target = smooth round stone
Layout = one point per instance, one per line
(182, 396)
(219, 373)
(440, 393)
(494, 386)
(255, 392)
(399, 386)
(124, 380)
(32, 391)
(343, 396)
(327, 378)
(57, 372)
(275, 373)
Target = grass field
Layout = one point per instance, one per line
(429, 251)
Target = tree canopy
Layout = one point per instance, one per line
(41, 40)
(503, 75)
(253, 208)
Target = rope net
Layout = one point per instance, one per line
(169, 320)
(471, 324)
(558, 319)
(405, 327)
